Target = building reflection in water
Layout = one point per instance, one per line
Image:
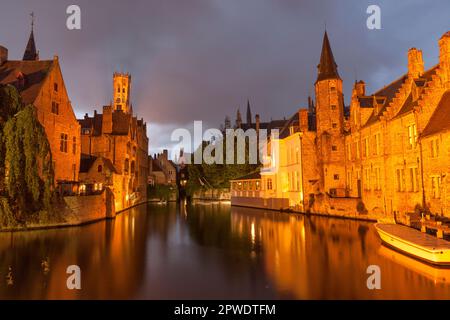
(212, 251)
(310, 257)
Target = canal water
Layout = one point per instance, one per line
(212, 251)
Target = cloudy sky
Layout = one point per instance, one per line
(202, 59)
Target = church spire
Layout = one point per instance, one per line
(238, 119)
(249, 113)
(327, 66)
(31, 53)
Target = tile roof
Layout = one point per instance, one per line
(34, 74)
(440, 120)
(388, 93)
(327, 66)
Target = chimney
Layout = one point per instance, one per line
(3, 55)
(360, 88)
(444, 57)
(107, 122)
(303, 119)
(165, 154)
(415, 63)
(257, 122)
(86, 115)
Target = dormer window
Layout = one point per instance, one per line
(20, 80)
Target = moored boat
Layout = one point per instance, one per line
(415, 243)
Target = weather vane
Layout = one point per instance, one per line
(32, 19)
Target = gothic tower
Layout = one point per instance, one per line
(330, 120)
(249, 114)
(122, 90)
(238, 119)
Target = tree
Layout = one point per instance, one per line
(26, 166)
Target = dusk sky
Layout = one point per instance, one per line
(202, 59)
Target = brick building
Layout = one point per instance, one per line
(41, 83)
(162, 170)
(387, 154)
(117, 135)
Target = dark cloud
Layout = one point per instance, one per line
(201, 59)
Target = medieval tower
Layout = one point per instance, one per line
(330, 121)
(122, 90)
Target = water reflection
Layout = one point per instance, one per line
(212, 251)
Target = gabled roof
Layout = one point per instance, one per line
(88, 161)
(327, 65)
(440, 120)
(34, 74)
(388, 93)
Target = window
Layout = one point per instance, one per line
(86, 131)
(99, 168)
(63, 143)
(412, 136)
(376, 144)
(367, 179)
(126, 166)
(436, 187)
(55, 87)
(333, 88)
(334, 125)
(377, 185)
(414, 179)
(55, 107)
(336, 177)
(118, 89)
(349, 180)
(74, 145)
(434, 148)
(269, 184)
(358, 152)
(257, 185)
(334, 148)
(133, 167)
(400, 177)
(366, 147)
(333, 107)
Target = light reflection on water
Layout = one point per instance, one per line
(212, 251)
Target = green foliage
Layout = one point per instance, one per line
(162, 192)
(206, 176)
(26, 169)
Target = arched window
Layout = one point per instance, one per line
(99, 168)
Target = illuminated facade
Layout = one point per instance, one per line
(119, 137)
(387, 154)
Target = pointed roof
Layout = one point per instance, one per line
(249, 113)
(31, 53)
(327, 66)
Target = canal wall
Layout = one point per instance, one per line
(78, 210)
(212, 195)
(348, 208)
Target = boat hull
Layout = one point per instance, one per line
(411, 242)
